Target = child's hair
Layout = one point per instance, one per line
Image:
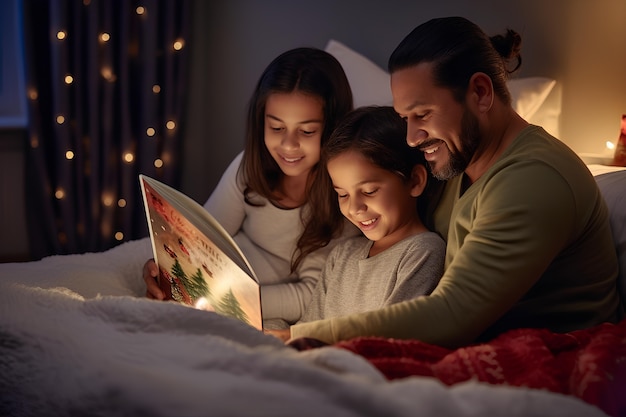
(306, 70)
(379, 134)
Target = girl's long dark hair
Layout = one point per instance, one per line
(305, 70)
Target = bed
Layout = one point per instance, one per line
(78, 337)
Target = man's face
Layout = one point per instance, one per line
(441, 127)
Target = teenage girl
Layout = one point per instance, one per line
(262, 197)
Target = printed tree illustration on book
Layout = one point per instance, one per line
(229, 306)
(187, 290)
(192, 290)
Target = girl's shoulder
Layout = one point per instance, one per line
(429, 239)
(419, 243)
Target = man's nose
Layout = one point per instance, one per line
(415, 136)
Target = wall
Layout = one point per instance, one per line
(580, 43)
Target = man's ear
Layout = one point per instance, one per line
(419, 177)
(480, 94)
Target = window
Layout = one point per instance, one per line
(12, 95)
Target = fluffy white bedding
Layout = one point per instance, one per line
(77, 337)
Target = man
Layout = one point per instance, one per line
(528, 236)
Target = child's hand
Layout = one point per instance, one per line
(282, 334)
(150, 274)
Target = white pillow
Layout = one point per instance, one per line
(370, 83)
(528, 94)
(613, 188)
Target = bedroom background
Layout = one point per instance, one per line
(577, 43)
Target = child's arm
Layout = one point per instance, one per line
(289, 300)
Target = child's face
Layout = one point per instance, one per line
(377, 201)
(293, 131)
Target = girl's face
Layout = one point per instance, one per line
(379, 202)
(294, 123)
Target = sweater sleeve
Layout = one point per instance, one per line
(315, 308)
(226, 202)
(297, 291)
(522, 219)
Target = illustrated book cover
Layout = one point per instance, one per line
(199, 263)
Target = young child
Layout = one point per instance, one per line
(261, 199)
(377, 182)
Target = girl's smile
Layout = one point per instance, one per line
(379, 202)
(294, 123)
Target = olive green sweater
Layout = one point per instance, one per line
(528, 245)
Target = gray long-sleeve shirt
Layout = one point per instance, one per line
(352, 282)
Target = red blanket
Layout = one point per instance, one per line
(589, 364)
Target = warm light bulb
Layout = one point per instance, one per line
(158, 163)
(107, 199)
(107, 74)
(178, 44)
(60, 119)
(105, 37)
(61, 35)
(69, 79)
(119, 236)
(59, 193)
(140, 10)
(170, 125)
(150, 131)
(121, 203)
(69, 155)
(129, 157)
(610, 145)
(156, 89)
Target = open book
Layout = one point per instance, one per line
(199, 263)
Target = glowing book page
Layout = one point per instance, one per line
(199, 263)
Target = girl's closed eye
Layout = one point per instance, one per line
(311, 129)
(341, 193)
(371, 192)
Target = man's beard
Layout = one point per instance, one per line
(458, 161)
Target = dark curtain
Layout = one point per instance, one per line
(106, 83)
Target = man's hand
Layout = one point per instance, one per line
(282, 334)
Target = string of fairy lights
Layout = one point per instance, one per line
(128, 156)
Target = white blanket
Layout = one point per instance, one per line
(77, 338)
